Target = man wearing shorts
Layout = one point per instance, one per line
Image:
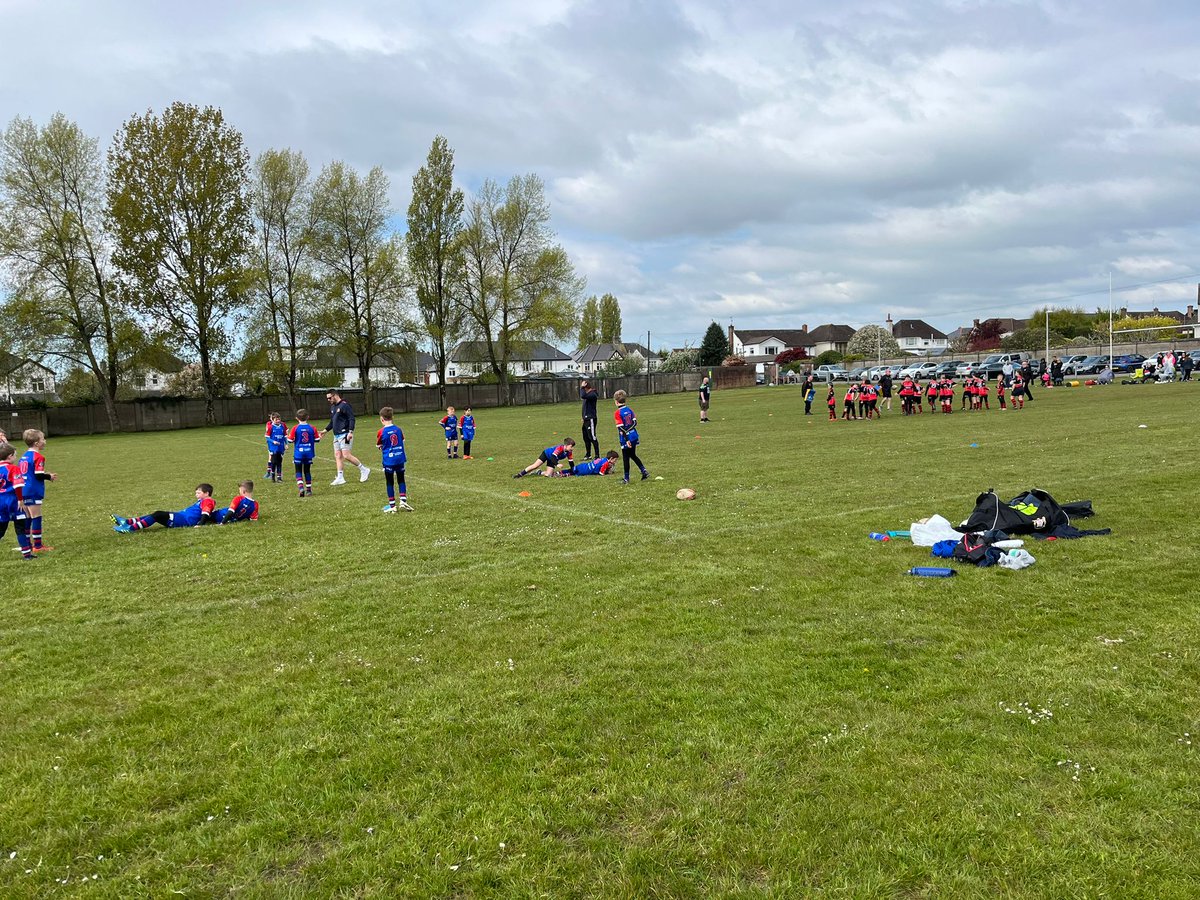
(341, 423)
(703, 397)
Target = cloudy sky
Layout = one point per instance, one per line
(770, 163)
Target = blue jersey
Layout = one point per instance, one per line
(554, 455)
(593, 467)
(450, 425)
(277, 435)
(32, 469)
(627, 435)
(304, 438)
(240, 509)
(390, 441)
(10, 480)
(468, 428)
(186, 518)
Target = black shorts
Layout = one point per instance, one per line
(548, 460)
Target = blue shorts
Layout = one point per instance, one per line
(8, 508)
(451, 435)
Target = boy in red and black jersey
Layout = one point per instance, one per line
(831, 402)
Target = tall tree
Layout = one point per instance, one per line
(714, 347)
(610, 320)
(434, 236)
(518, 285)
(873, 341)
(180, 217)
(281, 201)
(63, 299)
(986, 335)
(589, 323)
(362, 265)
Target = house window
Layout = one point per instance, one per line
(154, 380)
(452, 374)
(526, 367)
(38, 385)
(772, 351)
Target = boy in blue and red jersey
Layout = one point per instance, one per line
(390, 441)
(12, 501)
(467, 425)
(242, 508)
(449, 423)
(277, 436)
(551, 457)
(202, 512)
(303, 438)
(627, 435)
(602, 466)
(34, 476)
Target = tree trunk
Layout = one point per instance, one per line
(210, 390)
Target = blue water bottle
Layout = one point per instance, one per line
(932, 572)
(878, 536)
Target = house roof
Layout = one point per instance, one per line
(831, 334)
(789, 337)
(915, 328)
(10, 363)
(156, 359)
(594, 353)
(337, 358)
(539, 351)
(1182, 318)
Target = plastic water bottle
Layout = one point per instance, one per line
(896, 534)
(878, 536)
(932, 572)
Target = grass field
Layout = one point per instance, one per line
(601, 691)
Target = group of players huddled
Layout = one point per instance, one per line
(862, 400)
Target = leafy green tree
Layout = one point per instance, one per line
(180, 218)
(518, 285)
(79, 388)
(873, 342)
(63, 298)
(610, 320)
(714, 347)
(1070, 323)
(1169, 329)
(828, 358)
(679, 361)
(280, 197)
(360, 265)
(1031, 339)
(435, 225)
(589, 323)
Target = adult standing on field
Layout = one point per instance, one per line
(885, 388)
(1006, 372)
(341, 423)
(704, 396)
(591, 444)
(1027, 375)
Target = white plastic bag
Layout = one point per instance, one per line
(932, 530)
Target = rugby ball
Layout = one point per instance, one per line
(685, 494)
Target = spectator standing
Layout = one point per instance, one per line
(1006, 372)
(885, 388)
(1186, 365)
(341, 423)
(703, 396)
(1056, 372)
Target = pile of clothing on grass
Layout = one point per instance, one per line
(990, 535)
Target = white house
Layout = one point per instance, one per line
(763, 346)
(21, 377)
(388, 367)
(470, 359)
(594, 357)
(917, 336)
(151, 371)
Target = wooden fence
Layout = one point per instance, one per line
(170, 413)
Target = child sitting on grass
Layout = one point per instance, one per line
(202, 512)
(242, 508)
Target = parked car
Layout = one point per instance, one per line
(1090, 366)
(831, 373)
(1128, 362)
(992, 366)
(949, 367)
(920, 370)
(1078, 365)
(1071, 360)
(859, 373)
(877, 372)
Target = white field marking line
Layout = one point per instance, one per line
(184, 606)
(566, 510)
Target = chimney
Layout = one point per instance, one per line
(731, 350)
(804, 327)
(1191, 313)
(976, 323)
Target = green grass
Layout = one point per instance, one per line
(601, 691)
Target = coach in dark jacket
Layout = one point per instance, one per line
(591, 445)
